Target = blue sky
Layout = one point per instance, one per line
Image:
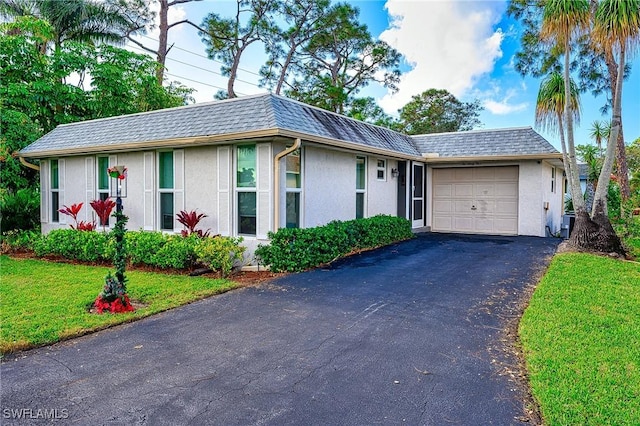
(466, 47)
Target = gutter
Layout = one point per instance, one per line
(29, 165)
(276, 179)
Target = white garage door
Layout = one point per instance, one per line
(477, 200)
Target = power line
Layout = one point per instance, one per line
(201, 56)
(200, 68)
(200, 82)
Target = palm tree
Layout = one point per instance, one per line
(550, 107)
(599, 131)
(89, 21)
(617, 30)
(562, 20)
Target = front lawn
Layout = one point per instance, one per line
(581, 339)
(44, 302)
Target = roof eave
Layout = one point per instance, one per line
(512, 157)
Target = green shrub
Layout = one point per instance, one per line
(142, 246)
(220, 253)
(299, 249)
(20, 210)
(176, 252)
(86, 246)
(17, 241)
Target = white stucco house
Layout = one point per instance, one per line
(258, 163)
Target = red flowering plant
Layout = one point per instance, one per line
(113, 297)
(103, 209)
(190, 220)
(73, 211)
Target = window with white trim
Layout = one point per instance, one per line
(165, 189)
(381, 170)
(361, 186)
(102, 177)
(246, 161)
(55, 191)
(294, 189)
(553, 180)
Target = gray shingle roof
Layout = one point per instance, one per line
(485, 143)
(250, 113)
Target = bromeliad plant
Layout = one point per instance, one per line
(73, 211)
(190, 220)
(103, 209)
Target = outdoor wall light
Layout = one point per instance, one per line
(395, 173)
(118, 176)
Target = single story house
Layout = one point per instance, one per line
(258, 163)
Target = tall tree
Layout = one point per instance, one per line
(596, 67)
(33, 87)
(284, 46)
(341, 60)
(563, 20)
(438, 111)
(599, 131)
(163, 37)
(616, 29)
(550, 106)
(226, 39)
(367, 110)
(88, 21)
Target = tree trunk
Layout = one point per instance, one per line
(573, 172)
(232, 75)
(600, 197)
(163, 38)
(283, 71)
(621, 155)
(595, 235)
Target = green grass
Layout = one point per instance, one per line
(581, 338)
(44, 302)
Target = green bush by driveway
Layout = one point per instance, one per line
(297, 249)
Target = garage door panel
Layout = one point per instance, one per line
(442, 206)
(463, 190)
(491, 191)
(462, 224)
(463, 174)
(442, 190)
(462, 206)
(509, 189)
(506, 207)
(484, 190)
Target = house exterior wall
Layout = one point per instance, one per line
(329, 186)
(552, 217)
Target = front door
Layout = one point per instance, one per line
(417, 195)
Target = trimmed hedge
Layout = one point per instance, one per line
(298, 249)
(143, 248)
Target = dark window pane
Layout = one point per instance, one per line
(54, 174)
(103, 177)
(166, 170)
(293, 210)
(359, 205)
(380, 174)
(166, 211)
(55, 205)
(417, 181)
(360, 173)
(417, 209)
(246, 166)
(293, 169)
(247, 213)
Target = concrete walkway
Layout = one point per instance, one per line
(407, 334)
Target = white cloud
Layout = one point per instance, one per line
(449, 44)
(503, 107)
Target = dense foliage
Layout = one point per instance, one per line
(295, 249)
(153, 249)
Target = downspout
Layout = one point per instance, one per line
(276, 190)
(29, 165)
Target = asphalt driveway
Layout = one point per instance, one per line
(408, 334)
